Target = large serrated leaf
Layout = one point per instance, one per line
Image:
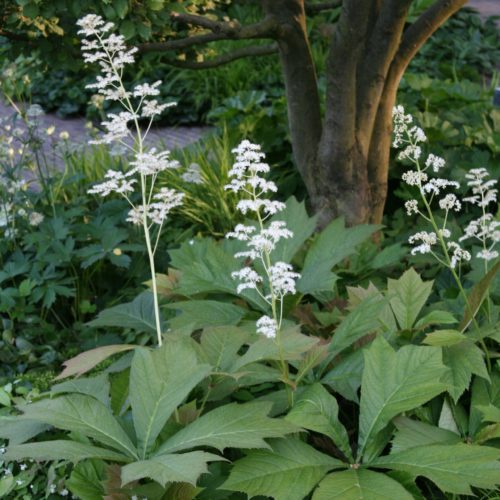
(203, 313)
(361, 321)
(61, 450)
(453, 468)
(97, 387)
(206, 267)
(20, 430)
(412, 433)
(138, 315)
(407, 296)
(185, 467)
(159, 382)
(334, 244)
(220, 346)
(232, 425)
(394, 382)
(288, 472)
(317, 410)
(302, 226)
(360, 484)
(345, 376)
(293, 344)
(463, 359)
(84, 414)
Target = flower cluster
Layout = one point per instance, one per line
(409, 137)
(278, 278)
(111, 53)
(485, 228)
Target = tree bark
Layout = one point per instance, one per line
(344, 163)
(301, 86)
(344, 157)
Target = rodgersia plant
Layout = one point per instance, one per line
(110, 52)
(439, 242)
(272, 280)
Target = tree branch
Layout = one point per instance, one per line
(420, 31)
(182, 43)
(267, 28)
(232, 30)
(316, 8)
(255, 50)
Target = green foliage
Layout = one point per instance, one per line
(159, 382)
(290, 470)
(361, 483)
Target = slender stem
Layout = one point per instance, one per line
(439, 234)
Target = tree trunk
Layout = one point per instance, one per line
(344, 161)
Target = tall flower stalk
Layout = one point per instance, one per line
(123, 128)
(272, 280)
(438, 242)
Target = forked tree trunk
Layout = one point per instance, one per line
(344, 160)
(343, 156)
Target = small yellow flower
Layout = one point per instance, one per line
(117, 251)
(51, 130)
(11, 152)
(64, 135)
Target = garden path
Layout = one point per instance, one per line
(180, 136)
(486, 7)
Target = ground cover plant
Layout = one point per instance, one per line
(283, 361)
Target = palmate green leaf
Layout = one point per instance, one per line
(203, 313)
(436, 318)
(453, 468)
(84, 414)
(444, 338)
(302, 226)
(138, 315)
(182, 467)
(288, 472)
(463, 359)
(62, 450)
(486, 433)
(334, 244)
(407, 296)
(230, 426)
(20, 430)
(293, 344)
(361, 321)
(490, 413)
(206, 268)
(119, 391)
(361, 484)
(317, 410)
(394, 382)
(220, 346)
(160, 380)
(412, 433)
(345, 376)
(97, 387)
(483, 394)
(85, 480)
